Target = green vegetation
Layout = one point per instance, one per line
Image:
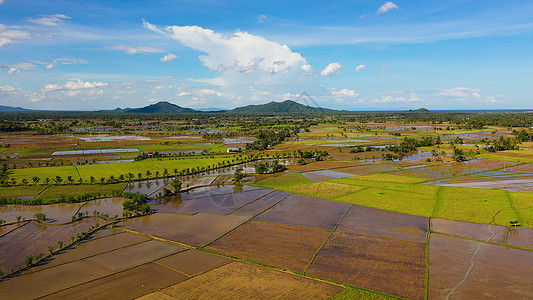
(238, 175)
(137, 206)
(14, 191)
(351, 293)
(40, 216)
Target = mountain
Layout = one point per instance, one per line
(287, 106)
(162, 107)
(4, 108)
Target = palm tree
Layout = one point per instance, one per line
(70, 180)
(36, 179)
(140, 175)
(92, 179)
(148, 173)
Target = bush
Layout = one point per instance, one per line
(40, 216)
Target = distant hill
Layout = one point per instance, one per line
(211, 109)
(4, 108)
(420, 110)
(287, 106)
(162, 107)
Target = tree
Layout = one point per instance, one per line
(92, 179)
(238, 175)
(176, 185)
(35, 179)
(58, 179)
(70, 180)
(24, 181)
(148, 173)
(28, 260)
(261, 168)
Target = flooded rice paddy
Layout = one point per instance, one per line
(187, 247)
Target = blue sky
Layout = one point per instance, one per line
(355, 55)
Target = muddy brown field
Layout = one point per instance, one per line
(289, 246)
(197, 230)
(305, 211)
(521, 237)
(483, 232)
(363, 220)
(34, 238)
(385, 265)
(466, 269)
(239, 280)
(261, 204)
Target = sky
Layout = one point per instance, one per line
(353, 55)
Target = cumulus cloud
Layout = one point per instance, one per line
(331, 69)
(182, 94)
(209, 92)
(240, 53)
(459, 92)
(169, 57)
(359, 68)
(135, 50)
(344, 93)
(72, 88)
(386, 7)
(50, 20)
(12, 34)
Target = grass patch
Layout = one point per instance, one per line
(324, 189)
(15, 191)
(500, 156)
(351, 293)
(399, 201)
(106, 170)
(475, 205)
(288, 180)
(391, 178)
(59, 191)
(524, 205)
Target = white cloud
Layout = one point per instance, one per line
(12, 34)
(408, 96)
(72, 88)
(238, 55)
(459, 93)
(306, 68)
(1, 1)
(331, 69)
(359, 68)
(386, 7)
(261, 18)
(17, 67)
(50, 20)
(7, 88)
(344, 93)
(209, 92)
(65, 61)
(137, 49)
(169, 57)
(182, 94)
